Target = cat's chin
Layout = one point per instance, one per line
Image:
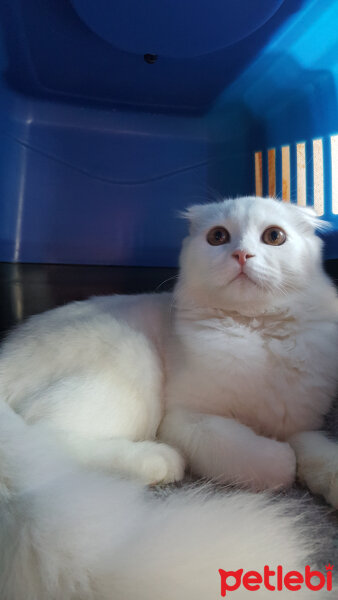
(241, 294)
(242, 278)
(247, 297)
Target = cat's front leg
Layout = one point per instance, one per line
(227, 451)
(317, 463)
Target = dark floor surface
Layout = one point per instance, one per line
(27, 289)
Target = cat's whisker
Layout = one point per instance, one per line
(208, 194)
(165, 281)
(214, 193)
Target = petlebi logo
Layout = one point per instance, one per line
(276, 580)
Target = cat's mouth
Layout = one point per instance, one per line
(241, 276)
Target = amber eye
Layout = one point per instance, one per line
(218, 236)
(274, 236)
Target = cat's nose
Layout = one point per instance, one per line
(242, 256)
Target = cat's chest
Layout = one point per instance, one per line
(247, 370)
(252, 344)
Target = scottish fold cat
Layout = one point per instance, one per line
(229, 376)
(223, 376)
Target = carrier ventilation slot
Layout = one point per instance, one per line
(286, 173)
(318, 177)
(334, 170)
(259, 173)
(272, 172)
(291, 168)
(301, 175)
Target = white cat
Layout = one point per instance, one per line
(240, 358)
(253, 360)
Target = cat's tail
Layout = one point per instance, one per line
(67, 534)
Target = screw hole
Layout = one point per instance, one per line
(150, 58)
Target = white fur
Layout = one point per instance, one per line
(97, 381)
(235, 366)
(259, 351)
(317, 459)
(70, 534)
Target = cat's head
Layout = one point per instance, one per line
(248, 252)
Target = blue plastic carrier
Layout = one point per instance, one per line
(115, 114)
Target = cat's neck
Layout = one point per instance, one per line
(205, 313)
(317, 301)
(193, 306)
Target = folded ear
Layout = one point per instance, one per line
(195, 214)
(309, 218)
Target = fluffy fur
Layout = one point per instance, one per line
(318, 458)
(68, 534)
(235, 365)
(232, 375)
(253, 359)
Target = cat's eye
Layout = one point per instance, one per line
(218, 236)
(274, 236)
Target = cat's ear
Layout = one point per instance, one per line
(308, 218)
(194, 214)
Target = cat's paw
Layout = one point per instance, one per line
(159, 464)
(317, 464)
(276, 468)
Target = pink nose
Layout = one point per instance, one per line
(242, 256)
